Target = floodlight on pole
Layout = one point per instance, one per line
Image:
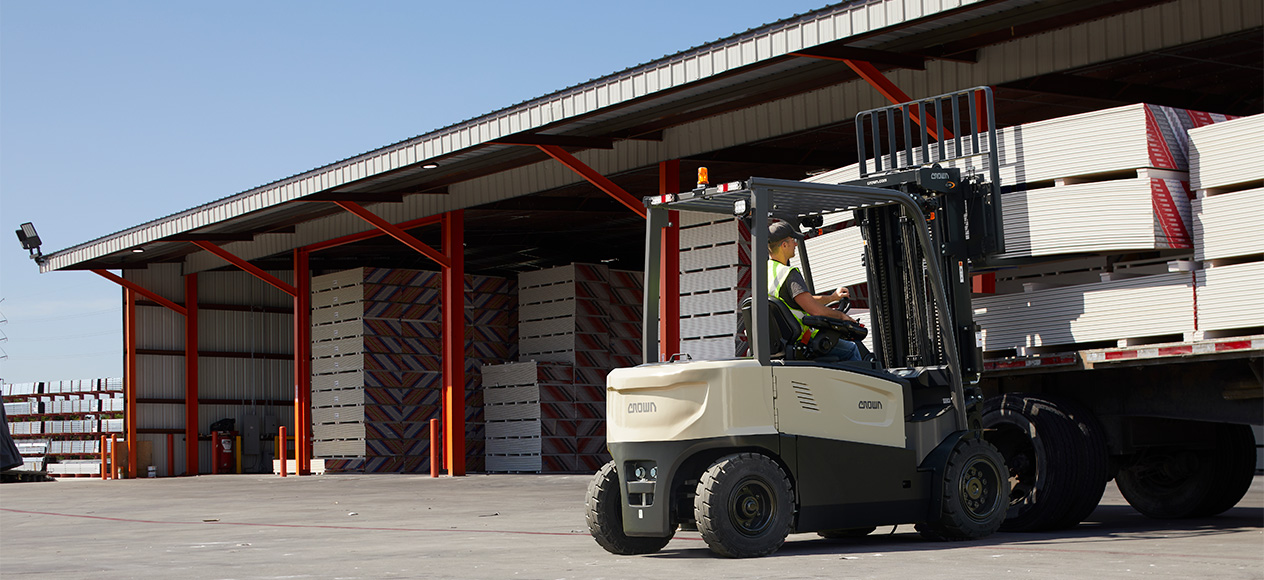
(30, 241)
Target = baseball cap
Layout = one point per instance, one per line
(779, 230)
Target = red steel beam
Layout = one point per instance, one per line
(128, 284)
(453, 300)
(247, 266)
(394, 231)
(597, 179)
(375, 233)
(129, 379)
(191, 376)
(302, 363)
(877, 80)
(669, 273)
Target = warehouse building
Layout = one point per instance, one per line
(322, 302)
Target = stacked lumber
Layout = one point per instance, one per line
(377, 365)
(1225, 173)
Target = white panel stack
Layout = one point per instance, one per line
(563, 310)
(1230, 297)
(1227, 225)
(714, 276)
(1226, 172)
(1146, 306)
(1092, 143)
(1103, 183)
(1226, 154)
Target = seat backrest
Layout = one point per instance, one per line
(783, 327)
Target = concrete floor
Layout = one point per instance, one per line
(525, 526)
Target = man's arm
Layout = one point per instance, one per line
(810, 304)
(835, 296)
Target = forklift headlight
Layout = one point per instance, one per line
(640, 472)
(654, 472)
(741, 207)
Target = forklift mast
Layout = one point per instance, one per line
(963, 221)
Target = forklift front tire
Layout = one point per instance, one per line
(605, 517)
(975, 493)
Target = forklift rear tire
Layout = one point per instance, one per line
(1191, 483)
(744, 506)
(974, 496)
(605, 517)
(1056, 455)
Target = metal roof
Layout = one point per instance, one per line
(458, 143)
(633, 105)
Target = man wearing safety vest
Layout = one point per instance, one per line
(787, 285)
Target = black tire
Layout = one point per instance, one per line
(1171, 483)
(605, 517)
(744, 506)
(1056, 456)
(846, 533)
(975, 489)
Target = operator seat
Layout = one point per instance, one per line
(782, 324)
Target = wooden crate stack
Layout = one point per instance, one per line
(376, 365)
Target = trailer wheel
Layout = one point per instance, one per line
(1171, 483)
(744, 506)
(605, 517)
(974, 494)
(1056, 456)
(846, 533)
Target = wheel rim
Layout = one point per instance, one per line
(752, 507)
(980, 488)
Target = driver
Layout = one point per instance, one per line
(787, 284)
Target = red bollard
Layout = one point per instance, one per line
(171, 455)
(436, 448)
(105, 467)
(215, 453)
(281, 451)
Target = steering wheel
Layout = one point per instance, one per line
(843, 305)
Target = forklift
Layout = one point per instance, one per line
(786, 440)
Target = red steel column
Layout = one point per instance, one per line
(454, 343)
(669, 273)
(191, 464)
(302, 363)
(129, 379)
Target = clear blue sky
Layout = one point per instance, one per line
(114, 113)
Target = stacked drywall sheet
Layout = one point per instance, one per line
(1093, 143)
(377, 364)
(1226, 155)
(1225, 170)
(714, 279)
(1104, 181)
(543, 417)
(563, 311)
(1146, 306)
(577, 323)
